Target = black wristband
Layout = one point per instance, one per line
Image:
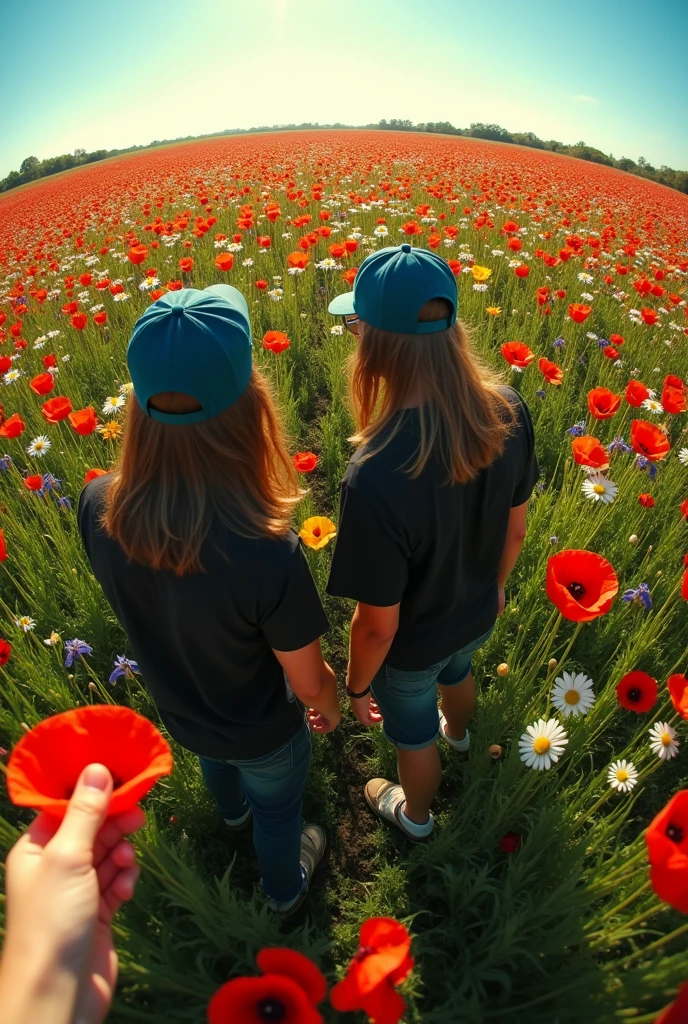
(363, 693)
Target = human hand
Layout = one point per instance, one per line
(366, 710)
(322, 724)
(501, 600)
(64, 883)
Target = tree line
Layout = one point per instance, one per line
(33, 168)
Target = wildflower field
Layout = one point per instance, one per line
(534, 901)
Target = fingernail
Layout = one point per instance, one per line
(96, 776)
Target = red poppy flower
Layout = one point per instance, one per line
(673, 399)
(581, 584)
(382, 961)
(225, 261)
(579, 312)
(12, 427)
(588, 451)
(684, 586)
(667, 847)
(616, 339)
(637, 691)
(609, 352)
(603, 403)
(93, 474)
(289, 990)
(510, 842)
(678, 691)
(684, 509)
(84, 420)
(305, 462)
(3, 547)
(649, 441)
(299, 260)
(5, 651)
(79, 321)
(646, 500)
(69, 308)
(33, 483)
(5, 363)
(676, 1012)
(47, 761)
(100, 318)
(43, 383)
(186, 264)
(521, 271)
(336, 250)
(275, 341)
(650, 316)
(85, 280)
(636, 393)
(137, 254)
(517, 353)
(552, 373)
(49, 361)
(350, 275)
(56, 409)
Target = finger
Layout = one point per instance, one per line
(121, 889)
(40, 831)
(114, 829)
(120, 858)
(86, 810)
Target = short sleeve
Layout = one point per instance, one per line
(369, 563)
(531, 471)
(293, 617)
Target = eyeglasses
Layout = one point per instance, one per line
(351, 323)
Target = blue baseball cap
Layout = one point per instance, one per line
(196, 342)
(392, 286)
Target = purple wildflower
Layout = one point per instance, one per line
(75, 648)
(619, 445)
(125, 668)
(577, 430)
(5, 463)
(559, 343)
(641, 595)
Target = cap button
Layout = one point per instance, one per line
(406, 247)
(177, 310)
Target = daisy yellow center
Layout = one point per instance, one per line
(622, 775)
(541, 745)
(666, 739)
(598, 488)
(572, 696)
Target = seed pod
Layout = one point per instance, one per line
(552, 663)
(495, 751)
(503, 669)
(633, 539)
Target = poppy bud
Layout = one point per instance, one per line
(503, 669)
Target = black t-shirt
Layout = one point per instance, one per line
(431, 547)
(204, 641)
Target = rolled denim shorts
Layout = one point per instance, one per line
(408, 700)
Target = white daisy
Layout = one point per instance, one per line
(479, 287)
(11, 376)
(39, 446)
(573, 694)
(120, 297)
(663, 741)
(586, 278)
(53, 639)
(247, 262)
(275, 294)
(622, 775)
(598, 488)
(542, 744)
(328, 264)
(337, 329)
(652, 405)
(683, 456)
(381, 229)
(114, 404)
(126, 389)
(25, 622)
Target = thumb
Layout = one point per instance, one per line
(87, 808)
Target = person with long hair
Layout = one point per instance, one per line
(189, 538)
(432, 517)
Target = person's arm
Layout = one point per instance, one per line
(64, 883)
(372, 631)
(314, 683)
(515, 535)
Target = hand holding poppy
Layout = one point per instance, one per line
(71, 875)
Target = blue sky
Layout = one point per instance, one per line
(82, 74)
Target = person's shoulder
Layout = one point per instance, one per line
(92, 497)
(265, 555)
(381, 464)
(518, 405)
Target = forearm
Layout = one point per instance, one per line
(326, 701)
(35, 994)
(367, 652)
(510, 555)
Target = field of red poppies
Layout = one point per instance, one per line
(556, 888)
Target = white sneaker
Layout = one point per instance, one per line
(387, 801)
(461, 745)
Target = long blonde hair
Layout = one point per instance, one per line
(464, 417)
(171, 482)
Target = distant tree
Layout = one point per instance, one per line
(79, 155)
(29, 165)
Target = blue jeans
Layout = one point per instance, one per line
(408, 700)
(273, 787)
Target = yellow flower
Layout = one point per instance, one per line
(480, 274)
(317, 532)
(493, 310)
(110, 431)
